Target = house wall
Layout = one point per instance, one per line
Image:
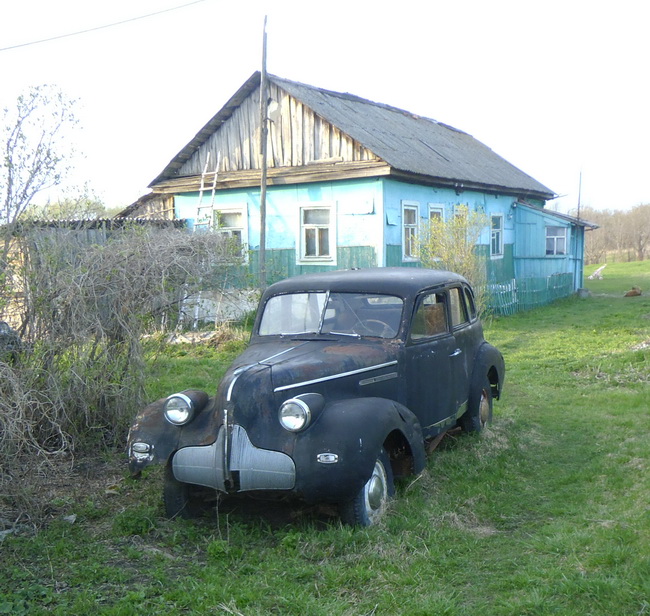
(368, 226)
(530, 258)
(499, 268)
(358, 229)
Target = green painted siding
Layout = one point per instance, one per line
(281, 263)
(394, 257)
(499, 270)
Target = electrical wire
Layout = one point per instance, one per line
(117, 23)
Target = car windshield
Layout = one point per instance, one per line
(348, 314)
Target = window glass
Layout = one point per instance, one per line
(430, 318)
(292, 314)
(318, 216)
(410, 231)
(349, 314)
(315, 232)
(457, 307)
(471, 306)
(556, 240)
(496, 236)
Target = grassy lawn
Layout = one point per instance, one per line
(545, 513)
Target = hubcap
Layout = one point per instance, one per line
(484, 408)
(376, 491)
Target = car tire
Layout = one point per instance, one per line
(479, 411)
(369, 505)
(179, 498)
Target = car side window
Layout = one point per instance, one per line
(471, 305)
(457, 305)
(430, 317)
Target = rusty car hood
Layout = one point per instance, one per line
(298, 362)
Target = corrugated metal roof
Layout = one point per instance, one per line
(409, 143)
(565, 217)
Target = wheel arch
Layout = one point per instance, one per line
(489, 363)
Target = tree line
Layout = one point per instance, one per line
(621, 236)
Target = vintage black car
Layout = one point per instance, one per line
(348, 376)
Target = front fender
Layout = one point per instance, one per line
(353, 431)
(153, 433)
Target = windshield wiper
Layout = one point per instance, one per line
(351, 335)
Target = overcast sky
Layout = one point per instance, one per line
(558, 88)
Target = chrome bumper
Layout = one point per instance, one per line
(234, 464)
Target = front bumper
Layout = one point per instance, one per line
(234, 465)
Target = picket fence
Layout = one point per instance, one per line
(526, 293)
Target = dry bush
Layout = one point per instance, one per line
(86, 306)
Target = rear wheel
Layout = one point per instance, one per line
(479, 411)
(369, 505)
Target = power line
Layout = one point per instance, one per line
(117, 23)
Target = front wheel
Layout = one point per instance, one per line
(181, 499)
(479, 411)
(368, 506)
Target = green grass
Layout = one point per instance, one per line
(545, 513)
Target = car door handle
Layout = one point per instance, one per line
(456, 352)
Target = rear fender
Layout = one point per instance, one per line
(488, 362)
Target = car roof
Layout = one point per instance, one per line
(400, 281)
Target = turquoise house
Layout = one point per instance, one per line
(353, 183)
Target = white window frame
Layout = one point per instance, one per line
(242, 210)
(301, 242)
(438, 209)
(564, 235)
(411, 229)
(496, 234)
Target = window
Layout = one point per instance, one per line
(457, 307)
(430, 318)
(556, 240)
(231, 224)
(436, 213)
(496, 236)
(410, 231)
(471, 306)
(316, 233)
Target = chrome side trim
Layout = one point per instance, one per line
(379, 379)
(335, 376)
(263, 361)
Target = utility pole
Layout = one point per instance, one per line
(264, 130)
(579, 194)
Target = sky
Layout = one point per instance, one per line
(558, 88)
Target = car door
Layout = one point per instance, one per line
(464, 324)
(432, 361)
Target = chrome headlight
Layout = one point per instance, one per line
(178, 409)
(296, 413)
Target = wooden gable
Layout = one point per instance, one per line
(301, 146)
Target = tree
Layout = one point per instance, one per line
(638, 230)
(451, 245)
(34, 155)
(80, 205)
